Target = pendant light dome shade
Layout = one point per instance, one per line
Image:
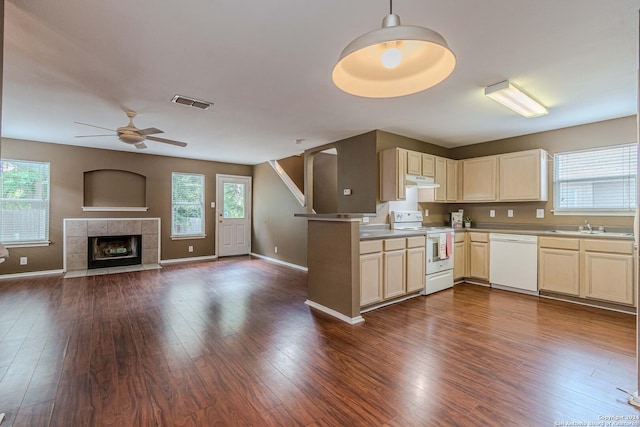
(394, 60)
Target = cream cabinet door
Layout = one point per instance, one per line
(414, 163)
(416, 269)
(393, 171)
(394, 282)
(479, 179)
(428, 165)
(523, 176)
(459, 258)
(559, 271)
(452, 180)
(370, 278)
(609, 277)
(478, 260)
(440, 177)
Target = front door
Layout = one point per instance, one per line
(234, 215)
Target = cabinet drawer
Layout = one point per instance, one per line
(559, 243)
(415, 242)
(478, 237)
(370, 246)
(611, 246)
(459, 237)
(394, 244)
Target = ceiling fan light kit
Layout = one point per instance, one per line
(394, 60)
(130, 134)
(515, 99)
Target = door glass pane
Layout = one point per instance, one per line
(233, 200)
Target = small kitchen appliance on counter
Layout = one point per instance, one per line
(439, 249)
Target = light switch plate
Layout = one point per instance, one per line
(510, 213)
(213, 204)
(365, 219)
(492, 213)
(539, 213)
(346, 191)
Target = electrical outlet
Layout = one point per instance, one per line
(365, 219)
(190, 248)
(492, 213)
(539, 213)
(510, 213)
(275, 249)
(426, 212)
(23, 260)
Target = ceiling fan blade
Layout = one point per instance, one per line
(167, 141)
(91, 136)
(141, 146)
(149, 131)
(94, 126)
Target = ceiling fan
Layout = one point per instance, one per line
(130, 134)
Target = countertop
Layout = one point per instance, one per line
(377, 232)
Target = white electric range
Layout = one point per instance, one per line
(439, 249)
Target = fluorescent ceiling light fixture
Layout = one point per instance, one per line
(394, 60)
(511, 97)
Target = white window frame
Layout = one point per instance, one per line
(604, 211)
(43, 238)
(175, 235)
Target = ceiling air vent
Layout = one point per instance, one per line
(191, 102)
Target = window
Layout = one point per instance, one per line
(24, 202)
(187, 204)
(599, 181)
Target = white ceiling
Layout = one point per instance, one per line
(267, 67)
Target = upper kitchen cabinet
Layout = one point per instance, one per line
(440, 178)
(452, 180)
(523, 176)
(480, 179)
(414, 163)
(393, 171)
(428, 165)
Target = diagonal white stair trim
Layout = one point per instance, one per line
(288, 182)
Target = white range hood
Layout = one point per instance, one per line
(420, 181)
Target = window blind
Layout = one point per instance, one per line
(187, 204)
(24, 202)
(602, 180)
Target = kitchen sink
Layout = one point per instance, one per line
(592, 233)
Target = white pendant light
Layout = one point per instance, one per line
(394, 60)
(515, 99)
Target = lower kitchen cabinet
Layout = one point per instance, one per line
(559, 265)
(394, 268)
(459, 256)
(478, 255)
(391, 268)
(608, 271)
(416, 263)
(587, 268)
(370, 272)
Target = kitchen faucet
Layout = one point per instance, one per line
(586, 222)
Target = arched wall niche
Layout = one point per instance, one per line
(114, 188)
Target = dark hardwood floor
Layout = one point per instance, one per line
(232, 343)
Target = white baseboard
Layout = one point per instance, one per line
(333, 313)
(30, 274)
(192, 259)
(288, 264)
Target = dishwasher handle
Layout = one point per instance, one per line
(513, 238)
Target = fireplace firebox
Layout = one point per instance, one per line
(114, 251)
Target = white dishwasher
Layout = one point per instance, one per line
(513, 262)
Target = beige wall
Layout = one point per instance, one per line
(294, 167)
(68, 165)
(325, 183)
(273, 220)
(610, 132)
